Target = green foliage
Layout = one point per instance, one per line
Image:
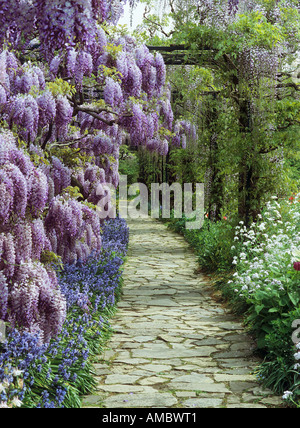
(128, 165)
(60, 87)
(70, 156)
(49, 257)
(113, 50)
(277, 370)
(150, 167)
(37, 159)
(212, 243)
(110, 72)
(244, 131)
(288, 109)
(72, 192)
(253, 29)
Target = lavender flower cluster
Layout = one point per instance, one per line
(73, 229)
(58, 23)
(35, 219)
(51, 374)
(38, 115)
(185, 131)
(30, 295)
(26, 102)
(136, 101)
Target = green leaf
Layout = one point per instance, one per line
(294, 298)
(259, 308)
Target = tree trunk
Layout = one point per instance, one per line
(217, 187)
(247, 183)
(216, 191)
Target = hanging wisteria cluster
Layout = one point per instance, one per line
(35, 219)
(85, 52)
(184, 131)
(253, 63)
(29, 291)
(59, 23)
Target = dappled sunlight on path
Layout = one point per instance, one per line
(173, 345)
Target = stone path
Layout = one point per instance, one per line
(173, 345)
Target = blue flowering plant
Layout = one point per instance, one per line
(56, 374)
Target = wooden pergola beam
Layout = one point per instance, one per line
(180, 59)
(174, 55)
(170, 48)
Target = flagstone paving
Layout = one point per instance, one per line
(173, 345)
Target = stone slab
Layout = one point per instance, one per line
(158, 400)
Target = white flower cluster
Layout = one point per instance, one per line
(9, 384)
(266, 249)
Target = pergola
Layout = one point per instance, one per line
(176, 54)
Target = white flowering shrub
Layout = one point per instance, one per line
(267, 282)
(266, 255)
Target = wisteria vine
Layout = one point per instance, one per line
(70, 94)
